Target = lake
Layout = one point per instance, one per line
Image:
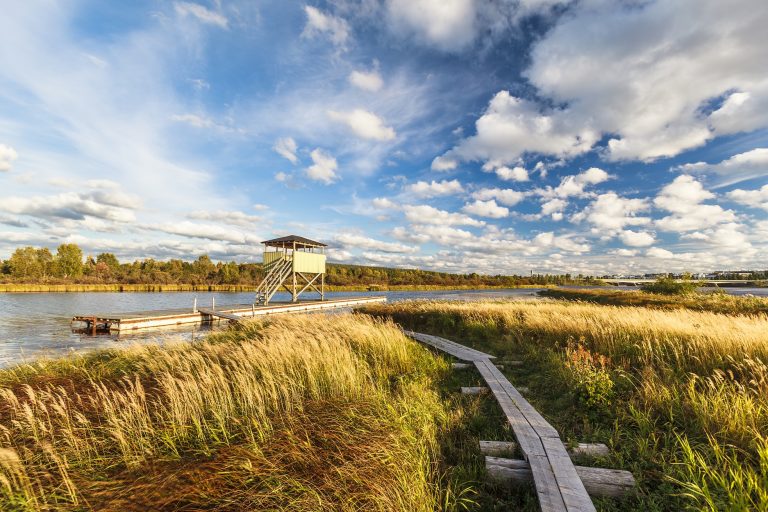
(38, 324)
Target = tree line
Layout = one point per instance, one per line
(69, 265)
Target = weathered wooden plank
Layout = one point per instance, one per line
(457, 352)
(530, 442)
(221, 314)
(590, 450)
(547, 489)
(537, 421)
(599, 482)
(558, 486)
(453, 348)
(495, 448)
(571, 487)
(479, 390)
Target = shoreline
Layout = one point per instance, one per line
(234, 288)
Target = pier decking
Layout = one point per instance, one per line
(122, 322)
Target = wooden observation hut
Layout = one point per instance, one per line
(294, 263)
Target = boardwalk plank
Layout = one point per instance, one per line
(558, 486)
(229, 316)
(571, 487)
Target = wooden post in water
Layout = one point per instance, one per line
(213, 303)
(194, 306)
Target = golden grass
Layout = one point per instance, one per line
(690, 388)
(296, 413)
(680, 340)
(713, 300)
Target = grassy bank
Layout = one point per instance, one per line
(681, 396)
(716, 302)
(309, 413)
(74, 287)
(56, 288)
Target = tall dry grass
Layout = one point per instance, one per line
(689, 390)
(296, 413)
(713, 300)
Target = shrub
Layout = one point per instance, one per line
(590, 377)
(670, 286)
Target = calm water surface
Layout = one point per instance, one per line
(38, 324)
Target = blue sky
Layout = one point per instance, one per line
(499, 136)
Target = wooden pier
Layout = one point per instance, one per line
(125, 322)
(560, 486)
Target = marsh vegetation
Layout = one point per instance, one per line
(680, 396)
(307, 413)
(713, 300)
(342, 412)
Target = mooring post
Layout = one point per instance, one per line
(253, 309)
(213, 303)
(194, 306)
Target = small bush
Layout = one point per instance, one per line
(669, 286)
(590, 377)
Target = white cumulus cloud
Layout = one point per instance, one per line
(323, 168)
(512, 126)
(318, 22)
(507, 197)
(435, 188)
(740, 167)
(366, 80)
(488, 209)
(348, 240)
(364, 124)
(425, 214)
(442, 164)
(636, 238)
(753, 198)
(683, 198)
(7, 156)
(515, 174)
(287, 147)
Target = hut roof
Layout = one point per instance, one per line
(288, 241)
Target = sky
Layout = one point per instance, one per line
(489, 136)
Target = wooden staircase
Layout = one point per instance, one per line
(279, 270)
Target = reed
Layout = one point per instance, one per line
(680, 395)
(715, 300)
(295, 413)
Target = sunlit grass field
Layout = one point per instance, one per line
(310, 413)
(713, 300)
(680, 396)
(342, 412)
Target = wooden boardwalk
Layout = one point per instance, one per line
(221, 314)
(126, 322)
(558, 485)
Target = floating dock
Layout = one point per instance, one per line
(123, 322)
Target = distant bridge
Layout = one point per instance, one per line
(703, 282)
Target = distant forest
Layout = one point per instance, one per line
(68, 265)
